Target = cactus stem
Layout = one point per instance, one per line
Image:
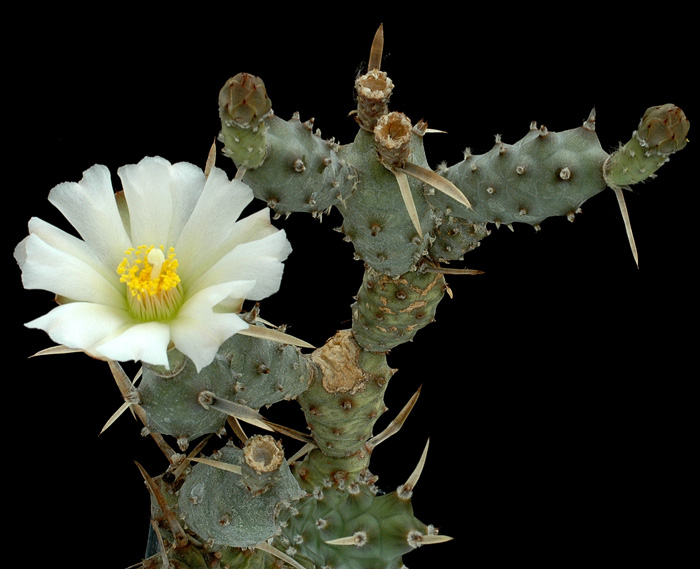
(626, 218)
(405, 491)
(396, 424)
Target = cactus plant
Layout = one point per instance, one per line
(409, 227)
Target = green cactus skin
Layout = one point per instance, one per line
(249, 371)
(345, 398)
(544, 174)
(239, 516)
(454, 237)
(302, 171)
(390, 311)
(384, 527)
(374, 216)
(171, 399)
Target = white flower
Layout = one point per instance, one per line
(165, 262)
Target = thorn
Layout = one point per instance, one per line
(451, 271)
(396, 424)
(267, 548)
(211, 159)
(218, 464)
(416, 539)
(436, 181)
(209, 400)
(301, 452)
(405, 190)
(118, 413)
(358, 539)
(589, 123)
(406, 490)
(170, 516)
(375, 53)
(55, 350)
(274, 335)
(626, 219)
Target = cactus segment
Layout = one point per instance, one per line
(351, 527)
(247, 371)
(302, 172)
(390, 311)
(345, 397)
(233, 510)
(662, 131)
(544, 174)
(375, 218)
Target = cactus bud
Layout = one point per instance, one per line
(243, 100)
(243, 104)
(661, 132)
(664, 129)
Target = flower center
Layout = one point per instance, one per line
(154, 290)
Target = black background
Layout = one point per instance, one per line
(556, 392)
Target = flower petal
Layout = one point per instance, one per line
(160, 198)
(211, 223)
(46, 267)
(89, 205)
(82, 325)
(259, 260)
(147, 342)
(71, 245)
(199, 329)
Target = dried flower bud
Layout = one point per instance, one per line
(663, 128)
(243, 100)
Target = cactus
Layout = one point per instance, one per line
(237, 500)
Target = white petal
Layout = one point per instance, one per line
(82, 325)
(199, 330)
(187, 184)
(147, 342)
(160, 198)
(48, 268)
(71, 245)
(259, 260)
(211, 223)
(90, 206)
(150, 200)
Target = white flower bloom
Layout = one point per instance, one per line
(165, 262)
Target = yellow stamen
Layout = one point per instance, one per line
(152, 281)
